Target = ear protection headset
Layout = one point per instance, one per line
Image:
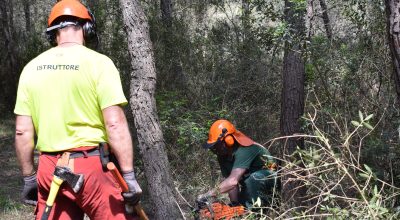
(89, 28)
(228, 139)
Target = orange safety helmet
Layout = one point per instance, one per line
(69, 7)
(223, 130)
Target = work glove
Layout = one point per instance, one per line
(202, 199)
(133, 196)
(29, 193)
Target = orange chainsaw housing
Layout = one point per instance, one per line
(221, 211)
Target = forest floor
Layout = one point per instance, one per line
(10, 176)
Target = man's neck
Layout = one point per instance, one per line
(69, 43)
(69, 36)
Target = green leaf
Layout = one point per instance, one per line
(363, 175)
(368, 125)
(360, 114)
(368, 168)
(369, 117)
(257, 202)
(356, 123)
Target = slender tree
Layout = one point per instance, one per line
(143, 105)
(393, 32)
(172, 74)
(292, 103)
(9, 61)
(325, 18)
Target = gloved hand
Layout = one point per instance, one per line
(202, 199)
(133, 196)
(29, 193)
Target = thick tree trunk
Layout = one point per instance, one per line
(393, 30)
(325, 18)
(143, 105)
(292, 103)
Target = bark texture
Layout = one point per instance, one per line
(143, 106)
(393, 29)
(292, 106)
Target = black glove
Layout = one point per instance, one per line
(29, 193)
(133, 196)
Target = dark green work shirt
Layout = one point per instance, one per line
(251, 158)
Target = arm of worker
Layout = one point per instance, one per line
(24, 146)
(120, 140)
(226, 186)
(24, 143)
(119, 136)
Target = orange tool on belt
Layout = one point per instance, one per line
(117, 175)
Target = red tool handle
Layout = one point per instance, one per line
(117, 175)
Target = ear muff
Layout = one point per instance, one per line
(89, 28)
(229, 141)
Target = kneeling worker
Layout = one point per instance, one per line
(248, 168)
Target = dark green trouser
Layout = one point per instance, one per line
(259, 184)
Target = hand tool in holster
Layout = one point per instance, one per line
(105, 157)
(62, 173)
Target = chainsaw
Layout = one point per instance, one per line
(217, 210)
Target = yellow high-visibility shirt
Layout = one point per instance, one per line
(64, 90)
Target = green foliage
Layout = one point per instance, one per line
(351, 190)
(8, 205)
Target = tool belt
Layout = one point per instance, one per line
(75, 154)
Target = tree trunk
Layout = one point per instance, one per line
(143, 105)
(310, 18)
(9, 62)
(292, 103)
(27, 12)
(325, 18)
(393, 30)
(173, 73)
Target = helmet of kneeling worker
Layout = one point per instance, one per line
(224, 130)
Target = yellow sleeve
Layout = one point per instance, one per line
(23, 103)
(109, 87)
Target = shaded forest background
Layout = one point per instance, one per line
(224, 59)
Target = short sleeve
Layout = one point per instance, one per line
(244, 156)
(109, 87)
(23, 103)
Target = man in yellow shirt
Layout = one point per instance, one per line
(70, 98)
